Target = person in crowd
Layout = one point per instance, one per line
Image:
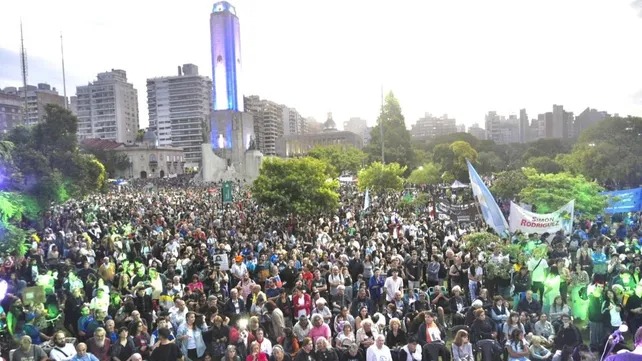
(255, 353)
(82, 354)
(62, 350)
(396, 336)
(378, 351)
(124, 347)
(462, 349)
(28, 352)
(166, 349)
(306, 353)
(190, 337)
(517, 347)
(568, 334)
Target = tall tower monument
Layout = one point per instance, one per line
(226, 57)
(228, 155)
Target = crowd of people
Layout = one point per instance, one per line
(169, 273)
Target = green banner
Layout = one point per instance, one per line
(227, 192)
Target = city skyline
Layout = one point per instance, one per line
(462, 59)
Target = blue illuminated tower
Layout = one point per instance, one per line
(226, 58)
(228, 153)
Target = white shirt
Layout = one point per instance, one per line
(539, 275)
(58, 354)
(378, 354)
(266, 346)
(392, 286)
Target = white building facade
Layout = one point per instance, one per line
(108, 108)
(179, 111)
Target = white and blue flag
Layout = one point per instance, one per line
(489, 208)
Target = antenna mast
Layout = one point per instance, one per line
(64, 80)
(23, 60)
(383, 157)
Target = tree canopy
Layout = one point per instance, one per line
(342, 158)
(452, 158)
(380, 177)
(508, 184)
(296, 186)
(609, 152)
(429, 173)
(548, 192)
(47, 162)
(397, 142)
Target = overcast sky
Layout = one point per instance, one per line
(462, 58)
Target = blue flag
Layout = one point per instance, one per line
(489, 208)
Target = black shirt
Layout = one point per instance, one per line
(167, 352)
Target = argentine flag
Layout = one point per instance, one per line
(489, 208)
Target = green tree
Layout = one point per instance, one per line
(296, 186)
(342, 158)
(452, 158)
(544, 165)
(546, 148)
(382, 177)
(396, 138)
(112, 161)
(549, 192)
(509, 184)
(429, 173)
(48, 162)
(609, 152)
(489, 162)
(140, 133)
(454, 137)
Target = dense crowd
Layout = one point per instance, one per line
(167, 271)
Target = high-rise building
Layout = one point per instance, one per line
(312, 126)
(430, 127)
(556, 124)
(268, 122)
(358, 126)
(545, 125)
(293, 122)
(587, 118)
(108, 108)
(179, 111)
(11, 111)
(226, 57)
(476, 131)
(461, 128)
(502, 130)
(523, 126)
(37, 98)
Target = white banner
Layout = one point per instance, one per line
(529, 222)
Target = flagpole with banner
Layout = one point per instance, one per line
(489, 209)
(366, 200)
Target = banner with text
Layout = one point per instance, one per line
(528, 222)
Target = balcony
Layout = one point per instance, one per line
(153, 163)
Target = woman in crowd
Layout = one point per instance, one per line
(462, 349)
(513, 322)
(190, 337)
(396, 337)
(580, 280)
(255, 353)
(517, 346)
